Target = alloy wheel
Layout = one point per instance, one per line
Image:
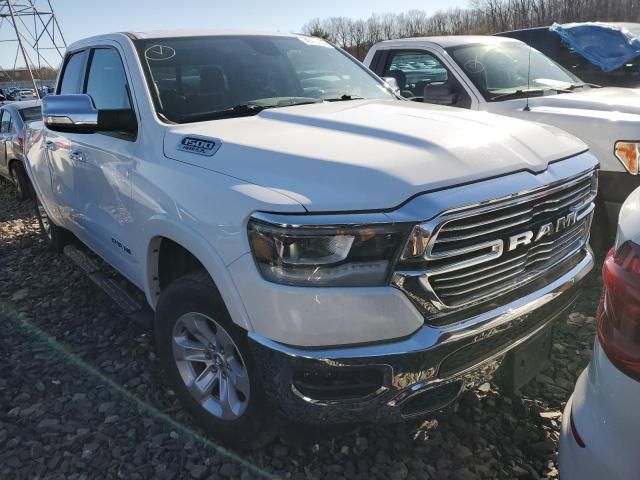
(211, 366)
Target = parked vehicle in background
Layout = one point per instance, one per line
(506, 76)
(14, 118)
(551, 44)
(601, 420)
(312, 245)
(9, 93)
(25, 94)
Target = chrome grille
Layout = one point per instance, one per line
(499, 275)
(468, 259)
(474, 226)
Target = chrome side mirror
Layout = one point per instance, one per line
(70, 113)
(77, 114)
(392, 83)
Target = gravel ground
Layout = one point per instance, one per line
(81, 397)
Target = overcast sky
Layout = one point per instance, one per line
(82, 18)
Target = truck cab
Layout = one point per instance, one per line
(505, 76)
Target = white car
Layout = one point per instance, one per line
(25, 94)
(311, 244)
(506, 76)
(601, 422)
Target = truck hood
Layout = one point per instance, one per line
(610, 103)
(368, 155)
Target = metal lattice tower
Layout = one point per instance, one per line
(31, 29)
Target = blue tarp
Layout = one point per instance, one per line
(604, 45)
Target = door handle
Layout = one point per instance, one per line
(49, 145)
(77, 156)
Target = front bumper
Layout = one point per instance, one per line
(423, 373)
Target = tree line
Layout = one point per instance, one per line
(481, 17)
(22, 74)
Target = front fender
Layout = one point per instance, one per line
(161, 227)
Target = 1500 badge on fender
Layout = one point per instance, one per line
(199, 146)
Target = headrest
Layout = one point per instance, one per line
(437, 89)
(212, 79)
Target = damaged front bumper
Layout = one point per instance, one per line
(394, 381)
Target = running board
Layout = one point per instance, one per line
(138, 313)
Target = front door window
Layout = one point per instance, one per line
(422, 77)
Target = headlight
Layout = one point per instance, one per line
(629, 154)
(325, 255)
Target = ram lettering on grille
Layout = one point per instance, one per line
(480, 252)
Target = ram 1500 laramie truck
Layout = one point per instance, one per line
(506, 76)
(311, 244)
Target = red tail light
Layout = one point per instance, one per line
(618, 321)
(21, 143)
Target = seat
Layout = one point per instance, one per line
(213, 92)
(439, 93)
(401, 78)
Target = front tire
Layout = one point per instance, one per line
(20, 181)
(208, 363)
(56, 237)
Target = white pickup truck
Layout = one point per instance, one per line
(506, 76)
(311, 244)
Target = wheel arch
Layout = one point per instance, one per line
(12, 161)
(169, 239)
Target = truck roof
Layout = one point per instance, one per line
(448, 41)
(158, 34)
(204, 33)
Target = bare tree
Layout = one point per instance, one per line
(358, 38)
(315, 27)
(388, 24)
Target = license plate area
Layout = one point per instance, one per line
(523, 363)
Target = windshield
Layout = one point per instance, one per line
(501, 70)
(220, 77)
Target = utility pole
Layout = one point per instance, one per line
(32, 27)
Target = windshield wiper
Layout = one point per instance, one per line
(344, 98)
(584, 84)
(517, 94)
(529, 93)
(243, 110)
